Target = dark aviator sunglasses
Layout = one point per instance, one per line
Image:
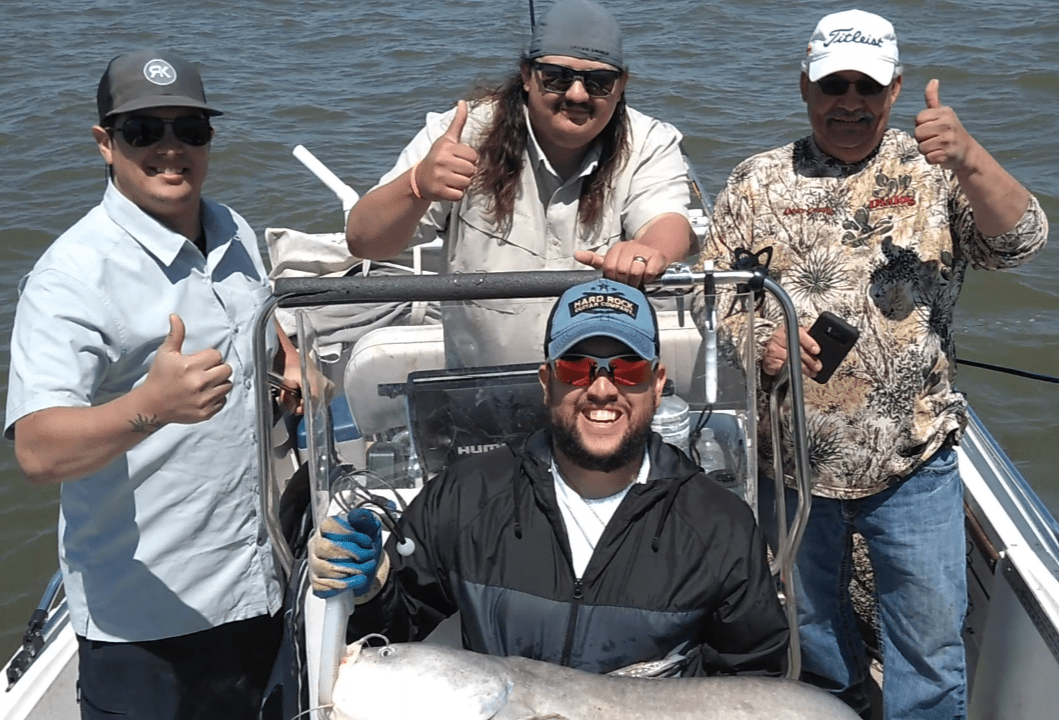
(559, 78)
(834, 85)
(143, 130)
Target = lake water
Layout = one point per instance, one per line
(353, 80)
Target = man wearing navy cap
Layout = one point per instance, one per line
(132, 385)
(601, 545)
(551, 170)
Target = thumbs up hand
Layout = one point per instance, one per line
(446, 172)
(942, 138)
(185, 388)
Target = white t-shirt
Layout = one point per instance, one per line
(586, 518)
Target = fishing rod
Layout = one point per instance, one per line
(1009, 371)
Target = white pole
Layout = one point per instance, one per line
(347, 195)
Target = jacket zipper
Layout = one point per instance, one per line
(568, 645)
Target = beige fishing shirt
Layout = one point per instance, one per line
(885, 244)
(544, 232)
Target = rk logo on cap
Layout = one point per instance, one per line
(159, 72)
(148, 79)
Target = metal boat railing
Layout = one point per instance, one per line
(1020, 504)
(291, 293)
(41, 624)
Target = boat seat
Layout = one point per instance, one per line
(385, 357)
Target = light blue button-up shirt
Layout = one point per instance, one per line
(167, 539)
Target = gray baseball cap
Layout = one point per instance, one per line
(578, 28)
(148, 79)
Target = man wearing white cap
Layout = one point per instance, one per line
(551, 171)
(879, 228)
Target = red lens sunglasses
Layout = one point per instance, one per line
(581, 370)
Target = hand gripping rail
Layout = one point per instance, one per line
(292, 293)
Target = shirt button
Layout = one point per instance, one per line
(247, 383)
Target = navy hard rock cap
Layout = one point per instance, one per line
(580, 29)
(602, 308)
(149, 79)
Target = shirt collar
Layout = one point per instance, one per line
(817, 163)
(156, 238)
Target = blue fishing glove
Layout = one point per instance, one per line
(346, 553)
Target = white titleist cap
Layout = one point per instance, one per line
(853, 40)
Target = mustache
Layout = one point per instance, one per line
(850, 116)
(584, 107)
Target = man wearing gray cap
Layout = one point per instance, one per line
(549, 171)
(132, 385)
(879, 228)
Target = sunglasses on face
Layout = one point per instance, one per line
(834, 85)
(559, 78)
(142, 130)
(581, 370)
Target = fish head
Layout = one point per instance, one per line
(411, 681)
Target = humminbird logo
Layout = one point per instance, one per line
(476, 449)
(613, 303)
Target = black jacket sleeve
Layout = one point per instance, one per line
(748, 630)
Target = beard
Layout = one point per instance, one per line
(566, 439)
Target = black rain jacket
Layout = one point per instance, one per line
(681, 560)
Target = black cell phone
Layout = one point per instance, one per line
(835, 337)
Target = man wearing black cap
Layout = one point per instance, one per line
(549, 171)
(132, 384)
(594, 544)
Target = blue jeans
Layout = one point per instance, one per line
(915, 537)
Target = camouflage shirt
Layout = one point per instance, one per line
(885, 244)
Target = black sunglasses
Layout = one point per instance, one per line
(834, 85)
(143, 130)
(559, 78)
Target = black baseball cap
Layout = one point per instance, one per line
(148, 79)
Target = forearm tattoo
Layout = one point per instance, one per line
(144, 425)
